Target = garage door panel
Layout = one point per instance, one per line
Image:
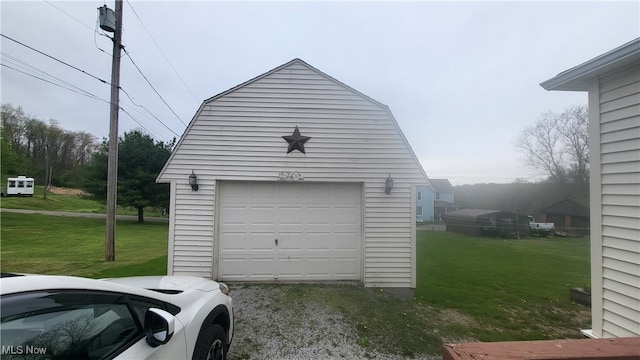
(289, 268)
(234, 215)
(261, 215)
(347, 267)
(260, 243)
(290, 241)
(320, 242)
(320, 267)
(318, 227)
(318, 213)
(233, 242)
(235, 268)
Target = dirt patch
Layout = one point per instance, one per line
(67, 191)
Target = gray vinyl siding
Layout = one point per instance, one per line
(619, 140)
(237, 135)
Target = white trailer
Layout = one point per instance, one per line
(20, 186)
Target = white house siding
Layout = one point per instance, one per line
(618, 138)
(237, 135)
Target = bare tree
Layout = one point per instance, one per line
(557, 145)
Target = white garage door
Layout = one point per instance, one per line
(289, 231)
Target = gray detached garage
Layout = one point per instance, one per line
(294, 176)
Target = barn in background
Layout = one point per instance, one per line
(570, 215)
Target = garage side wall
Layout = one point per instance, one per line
(191, 248)
(237, 136)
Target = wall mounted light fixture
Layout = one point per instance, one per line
(193, 181)
(388, 185)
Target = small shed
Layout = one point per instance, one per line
(570, 215)
(294, 176)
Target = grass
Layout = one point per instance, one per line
(56, 202)
(469, 289)
(42, 244)
(516, 289)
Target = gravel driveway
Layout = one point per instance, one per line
(264, 329)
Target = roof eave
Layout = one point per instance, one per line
(577, 78)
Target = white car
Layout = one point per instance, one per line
(149, 317)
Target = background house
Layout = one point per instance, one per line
(613, 84)
(425, 198)
(434, 201)
(571, 215)
(444, 198)
(299, 177)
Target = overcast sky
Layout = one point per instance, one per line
(461, 78)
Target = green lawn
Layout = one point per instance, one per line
(75, 246)
(515, 289)
(55, 202)
(468, 289)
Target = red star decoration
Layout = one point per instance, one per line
(296, 141)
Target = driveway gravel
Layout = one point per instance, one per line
(267, 329)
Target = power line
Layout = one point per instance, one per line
(162, 52)
(80, 91)
(19, 63)
(86, 73)
(56, 59)
(69, 15)
(154, 89)
(69, 87)
(147, 110)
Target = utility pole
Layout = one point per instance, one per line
(112, 169)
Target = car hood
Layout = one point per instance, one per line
(171, 283)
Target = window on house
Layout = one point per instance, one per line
(419, 210)
(29, 184)
(419, 195)
(437, 196)
(20, 184)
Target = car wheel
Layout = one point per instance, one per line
(211, 344)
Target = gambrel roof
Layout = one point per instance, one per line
(307, 92)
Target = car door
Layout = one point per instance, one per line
(72, 324)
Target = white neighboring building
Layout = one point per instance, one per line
(291, 170)
(613, 83)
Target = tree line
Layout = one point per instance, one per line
(38, 149)
(52, 155)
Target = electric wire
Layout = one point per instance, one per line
(93, 76)
(56, 59)
(24, 68)
(162, 52)
(148, 111)
(69, 15)
(80, 91)
(27, 67)
(152, 87)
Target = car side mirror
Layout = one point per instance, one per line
(159, 326)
